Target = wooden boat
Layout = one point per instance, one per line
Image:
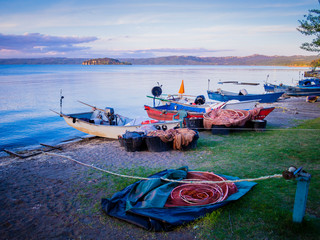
(166, 113)
(104, 123)
(223, 96)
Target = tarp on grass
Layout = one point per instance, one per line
(143, 202)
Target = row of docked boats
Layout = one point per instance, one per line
(174, 112)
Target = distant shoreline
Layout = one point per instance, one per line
(253, 60)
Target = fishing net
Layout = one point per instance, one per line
(189, 194)
(228, 117)
(181, 137)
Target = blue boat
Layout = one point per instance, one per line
(303, 91)
(305, 87)
(309, 82)
(269, 87)
(224, 96)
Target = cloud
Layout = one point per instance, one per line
(32, 43)
(178, 50)
(245, 29)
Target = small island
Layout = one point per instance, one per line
(104, 61)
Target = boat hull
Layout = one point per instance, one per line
(305, 87)
(242, 105)
(110, 131)
(303, 91)
(263, 98)
(275, 88)
(167, 115)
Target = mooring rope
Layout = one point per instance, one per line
(94, 167)
(165, 179)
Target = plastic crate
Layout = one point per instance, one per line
(133, 141)
(194, 123)
(155, 144)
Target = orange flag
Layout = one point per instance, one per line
(181, 90)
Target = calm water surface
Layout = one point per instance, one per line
(27, 93)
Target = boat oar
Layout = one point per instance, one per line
(60, 114)
(164, 100)
(161, 99)
(183, 95)
(91, 106)
(239, 83)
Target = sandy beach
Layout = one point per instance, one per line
(49, 197)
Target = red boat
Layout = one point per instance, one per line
(168, 115)
(263, 113)
(160, 113)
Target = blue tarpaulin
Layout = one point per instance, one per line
(142, 203)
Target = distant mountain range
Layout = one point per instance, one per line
(253, 60)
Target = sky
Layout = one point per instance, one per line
(150, 28)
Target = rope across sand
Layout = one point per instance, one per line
(165, 179)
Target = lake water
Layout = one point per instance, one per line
(27, 93)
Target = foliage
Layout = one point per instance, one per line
(104, 61)
(311, 27)
(315, 63)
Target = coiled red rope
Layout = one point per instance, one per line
(189, 194)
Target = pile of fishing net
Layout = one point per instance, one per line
(228, 117)
(180, 137)
(188, 194)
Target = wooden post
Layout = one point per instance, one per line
(300, 200)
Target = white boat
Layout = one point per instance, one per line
(104, 123)
(188, 104)
(241, 105)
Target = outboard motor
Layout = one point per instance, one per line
(109, 112)
(200, 100)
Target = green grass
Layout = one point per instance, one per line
(266, 211)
